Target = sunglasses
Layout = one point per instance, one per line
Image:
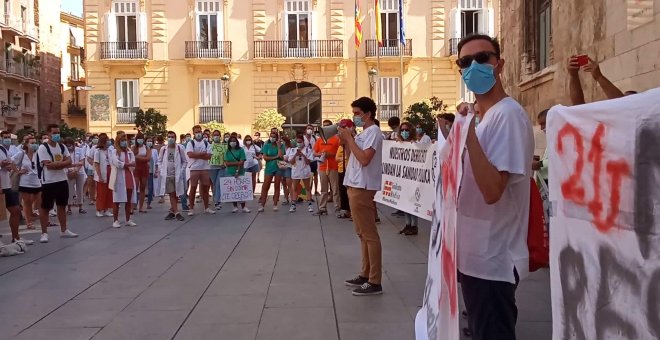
(480, 58)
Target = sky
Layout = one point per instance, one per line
(73, 6)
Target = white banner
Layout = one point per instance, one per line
(605, 229)
(236, 189)
(408, 178)
(438, 318)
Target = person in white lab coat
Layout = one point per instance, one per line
(172, 163)
(122, 182)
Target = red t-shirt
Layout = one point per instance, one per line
(331, 149)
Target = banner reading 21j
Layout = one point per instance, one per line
(409, 178)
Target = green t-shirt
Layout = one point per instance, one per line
(235, 155)
(218, 151)
(270, 150)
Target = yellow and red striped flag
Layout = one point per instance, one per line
(379, 28)
(358, 25)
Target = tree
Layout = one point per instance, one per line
(343, 115)
(67, 131)
(424, 113)
(268, 119)
(151, 122)
(214, 125)
(24, 132)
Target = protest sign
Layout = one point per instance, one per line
(236, 189)
(605, 226)
(438, 318)
(408, 178)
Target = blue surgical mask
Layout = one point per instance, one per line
(273, 139)
(56, 138)
(6, 141)
(95, 141)
(419, 131)
(405, 135)
(34, 147)
(357, 120)
(123, 144)
(188, 139)
(233, 144)
(198, 136)
(226, 139)
(216, 139)
(479, 78)
(171, 141)
(206, 139)
(150, 144)
(140, 141)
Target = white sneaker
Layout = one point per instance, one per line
(246, 210)
(52, 213)
(108, 214)
(130, 223)
(27, 242)
(68, 234)
(261, 208)
(235, 210)
(99, 214)
(292, 209)
(190, 213)
(310, 208)
(209, 211)
(116, 224)
(275, 208)
(43, 238)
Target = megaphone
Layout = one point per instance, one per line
(328, 132)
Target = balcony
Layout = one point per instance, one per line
(21, 70)
(388, 111)
(123, 50)
(75, 110)
(390, 48)
(279, 49)
(209, 114)
(208, 49)
(126, 115)
(453, 46)
(13, 24)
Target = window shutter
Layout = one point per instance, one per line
(111, 27)
(142, 26)
(136, 94)
(119, 98)
(220, 18)
(482, 18)
(456, 24)
(491, 22)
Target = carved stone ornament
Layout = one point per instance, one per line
(298, 73)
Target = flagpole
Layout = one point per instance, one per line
(402, 45)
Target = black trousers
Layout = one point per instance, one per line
(343, 194)
(491, 307)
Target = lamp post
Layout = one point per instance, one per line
(16, 101)
(373, 74)
(225, 85)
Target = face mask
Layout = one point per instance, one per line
(140, 141)
(45, 140)
(188, 139)
(310, 131)
(419, 131)
(123, 144)
(405, 135)
(216, 139)
(476, 121)
(300, 145)
(232, 144)
(248, 142)
(95, 141)
(479, 78)
(6, 141)
(273, 139)
(226, 139)
(34, 147)
(56, 138)
(198, 136)
(357, 120)
(205, 139)
(150, 144)
(171, 141)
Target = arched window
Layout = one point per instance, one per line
(300, 103)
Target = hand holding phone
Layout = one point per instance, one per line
(582, 60)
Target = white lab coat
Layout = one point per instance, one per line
(118, 177)
(180, 165)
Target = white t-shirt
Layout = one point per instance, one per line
(102, 157)
(200, 146)
(5, 181)
(31, 178)
(309, 140)
(90, 154)
(52, 176)
(492, 239)
(366, 177)
(251, 156)
(300, 170)
(425, 139)
(79, 156)
(13, 150)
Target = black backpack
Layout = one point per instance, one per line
(206, 144)
(40, 169)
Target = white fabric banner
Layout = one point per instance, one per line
(408, 178)
(438, 318)
(236, 189)
(605, 226)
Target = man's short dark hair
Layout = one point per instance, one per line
(50, 127)
(366, 104)
(472, 37)
(327, 121)
(393, 122)
(448, 117)
(543, 113)
(171, 133)
(5, 132)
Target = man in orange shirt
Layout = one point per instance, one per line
(328, 170)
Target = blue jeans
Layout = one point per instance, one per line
(215, 175)
(150, 189)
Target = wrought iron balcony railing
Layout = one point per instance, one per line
(388, 111)
(126, 115)
(299, 49)
(390, 48)
(125, 50)
(209, 114)
(208, 49)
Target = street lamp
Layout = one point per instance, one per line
(16, 101)
(373, 73)
(225, 85)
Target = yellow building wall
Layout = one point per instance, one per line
(169, 83)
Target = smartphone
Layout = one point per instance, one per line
(582, 60)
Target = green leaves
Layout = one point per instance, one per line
(268, 119)
(214, 125)
(151, 122)
(424, 113)
(75, 133)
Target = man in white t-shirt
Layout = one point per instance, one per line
(199, 154)
(53, 160)
(493, 206)
(363, 179)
